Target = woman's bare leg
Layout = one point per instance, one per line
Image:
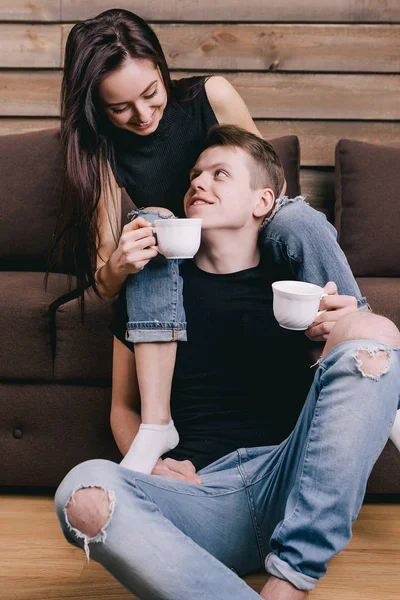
(157, 433)
(155, 364)
(141, 441)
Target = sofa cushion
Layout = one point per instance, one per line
(383, 295)
(385, 476)
(26, 348)
(83, 352)
(30, 188)
(43, 337)
(367, 214)
(47, 429)
(288, 150)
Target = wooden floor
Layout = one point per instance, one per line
(36, 563)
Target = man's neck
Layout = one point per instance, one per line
(227, 251)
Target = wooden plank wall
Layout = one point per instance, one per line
(320, 70)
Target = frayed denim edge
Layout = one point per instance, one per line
(142, 212)
(280, 202)
(102, 535)
(373, 352)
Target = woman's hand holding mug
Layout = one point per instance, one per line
(135, 249)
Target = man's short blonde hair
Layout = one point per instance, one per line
(265, 166)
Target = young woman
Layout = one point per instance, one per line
(126, 124)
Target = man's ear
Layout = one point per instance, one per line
(265, 203)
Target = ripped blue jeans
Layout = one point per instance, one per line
(296, 242)
(287, 509)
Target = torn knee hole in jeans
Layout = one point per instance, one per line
(102, 535)
(372, 362)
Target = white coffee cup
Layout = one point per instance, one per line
(296, 303)
(178, 238)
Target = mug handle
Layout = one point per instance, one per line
(321, 311)
(156, 244)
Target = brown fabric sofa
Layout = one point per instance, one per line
(367, 218)
(55, 374)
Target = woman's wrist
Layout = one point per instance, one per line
(110, 277)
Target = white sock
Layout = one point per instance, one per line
(151, 441)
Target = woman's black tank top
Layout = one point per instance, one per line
(154, 169)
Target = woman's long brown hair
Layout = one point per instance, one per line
(95, 48)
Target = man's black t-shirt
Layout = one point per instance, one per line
(240, 380)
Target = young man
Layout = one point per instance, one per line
(275, 490)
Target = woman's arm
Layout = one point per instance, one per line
(119, 253)
(108, 280)
(228, 105)
(230, 108)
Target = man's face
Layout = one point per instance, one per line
(220, 191)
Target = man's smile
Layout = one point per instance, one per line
(197, 200)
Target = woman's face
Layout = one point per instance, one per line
(134, 97)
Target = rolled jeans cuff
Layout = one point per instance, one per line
(150, 331)
(281, 569)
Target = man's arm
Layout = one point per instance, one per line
(335, 306)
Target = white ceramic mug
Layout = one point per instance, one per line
(296, 303)
(178, 238)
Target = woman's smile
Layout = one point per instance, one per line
(143, 125)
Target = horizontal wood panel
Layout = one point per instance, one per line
(319, 96)
(317, 138)
(238, 10)
(356, 48)
(268, 95)
(27, 46)
(364, 11)
(30, 10)
(18, 126)
(30, 93)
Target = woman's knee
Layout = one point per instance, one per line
(288, 212)
(297, 230)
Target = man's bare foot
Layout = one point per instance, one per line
(279, 589)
